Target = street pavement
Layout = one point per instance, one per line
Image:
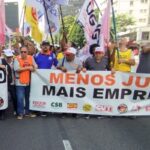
(55, 133)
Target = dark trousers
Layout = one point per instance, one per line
(2, 114)
(13, 97)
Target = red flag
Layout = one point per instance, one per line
(2, 22)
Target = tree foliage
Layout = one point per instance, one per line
(76, 34)
(73, 30)
(123, 21)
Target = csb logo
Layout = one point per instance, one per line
(2, 76)
(56, 104)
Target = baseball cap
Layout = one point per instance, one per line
(99, 50)
(8, 52)
(45, 43)
(71, 50)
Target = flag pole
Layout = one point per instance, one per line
(97, 7)
(63, 25)
(22, 17)
(115, 30)
(48, 23)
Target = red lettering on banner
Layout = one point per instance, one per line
(81, 79)
(97, 79)
(104, 108)
(110, 80)
(129, 83)
(144, 85)
(56, 78)
(70, 78)
(140, 82)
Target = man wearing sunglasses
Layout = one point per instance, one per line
(24, 64)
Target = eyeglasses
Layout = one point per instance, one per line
(23, 51)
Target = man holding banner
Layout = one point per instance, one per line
(45, 59)
(24, 64)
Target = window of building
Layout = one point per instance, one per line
(131, 3)
(145, 35)
(131, 11)
(144, 1)
(143, 11)
(142, 20)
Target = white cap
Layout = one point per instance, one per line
(8, 52)
(71, 50)
(99, 49)
(56, 45)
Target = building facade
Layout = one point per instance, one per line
(13, 11)
(140, 10)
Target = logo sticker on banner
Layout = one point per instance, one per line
(122, 108)
(87, 107)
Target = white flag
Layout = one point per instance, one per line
(8, 31)
(88, 20)
(38, 4)
(53, 17)
(62, 2)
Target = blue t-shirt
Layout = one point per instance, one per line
(45, 61)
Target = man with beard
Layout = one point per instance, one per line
(45, 59)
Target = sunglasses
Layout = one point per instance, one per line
(23, 51)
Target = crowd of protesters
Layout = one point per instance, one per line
(23, 58)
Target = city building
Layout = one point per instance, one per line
(140, 10)
(13, 12)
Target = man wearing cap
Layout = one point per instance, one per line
(45, 59)
(98, 62)
(8, 62)
(70, 61)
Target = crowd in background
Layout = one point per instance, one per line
(24, 57)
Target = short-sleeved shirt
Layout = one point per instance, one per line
(126, 55)
(45, 61)
(91, 64)
(144, 64)
(73, 65)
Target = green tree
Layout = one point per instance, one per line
(123, 21)
(73, 30)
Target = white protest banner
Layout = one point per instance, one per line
(95, 92)
(3, 90)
